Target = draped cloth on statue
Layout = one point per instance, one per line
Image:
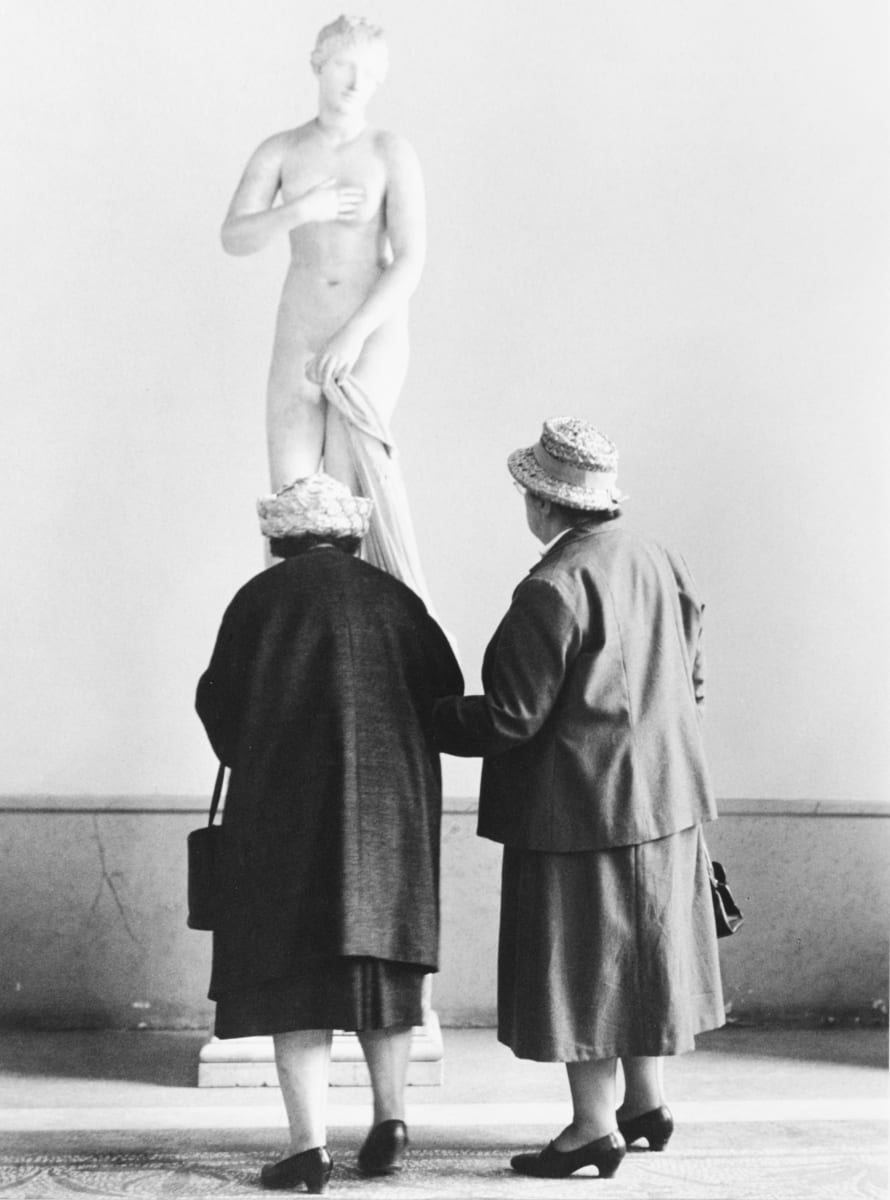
(389, 543)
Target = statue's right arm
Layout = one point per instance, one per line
(254, 220)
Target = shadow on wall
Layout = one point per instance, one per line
(833, 1045)
(158, 1058)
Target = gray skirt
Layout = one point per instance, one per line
(607, 953)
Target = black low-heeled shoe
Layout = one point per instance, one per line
(656, 1126)
(312, 1167)
(384, 1149)
(605, 1154)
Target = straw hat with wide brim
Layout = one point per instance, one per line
(571, 463)
(318, 505)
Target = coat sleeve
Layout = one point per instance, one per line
(216, 699)
(445, 673)
(692, 610)
(525, 666)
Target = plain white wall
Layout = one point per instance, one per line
(668, 216)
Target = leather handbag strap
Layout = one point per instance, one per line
(217, 792)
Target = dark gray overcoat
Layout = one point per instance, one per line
(319, 696)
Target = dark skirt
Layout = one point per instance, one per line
(353, 994)
(608, 953)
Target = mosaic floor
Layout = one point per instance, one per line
(832, 1162)
(762, 1114)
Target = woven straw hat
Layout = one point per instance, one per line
(571, 463)
(317, 504)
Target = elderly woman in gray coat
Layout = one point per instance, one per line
(319, 696)
(595, 782)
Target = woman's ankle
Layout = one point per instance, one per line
(582, 1133)
(636, 1107)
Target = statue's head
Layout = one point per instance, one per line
(348, 33)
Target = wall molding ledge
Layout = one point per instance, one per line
(453, 806)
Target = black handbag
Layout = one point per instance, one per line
(206, 885)
(727, 914)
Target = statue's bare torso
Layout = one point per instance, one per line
(333, 268)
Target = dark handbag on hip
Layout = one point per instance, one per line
(727, 914)
(206, 884)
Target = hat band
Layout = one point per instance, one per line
(576, 476)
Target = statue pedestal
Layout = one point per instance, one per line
(250, 1062)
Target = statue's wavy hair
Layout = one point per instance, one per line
(345, 31)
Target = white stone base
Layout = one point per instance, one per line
(250, 1062)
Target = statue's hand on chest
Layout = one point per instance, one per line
(359, 182)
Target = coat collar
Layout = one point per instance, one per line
(582, 530)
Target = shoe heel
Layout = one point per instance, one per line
(655, 1126)
(609, 1164)
(317, 1179)
(312, 1167)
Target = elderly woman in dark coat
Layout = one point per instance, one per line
(594, 779)
(319, 696)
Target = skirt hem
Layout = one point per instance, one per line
(352, 994)
(667, 1047)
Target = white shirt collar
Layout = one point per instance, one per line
(546, 549)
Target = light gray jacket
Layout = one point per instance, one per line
(590, 721)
